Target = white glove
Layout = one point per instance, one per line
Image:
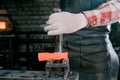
(65, 23)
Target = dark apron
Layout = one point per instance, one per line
(90, 51)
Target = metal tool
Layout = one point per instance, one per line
(57, 63)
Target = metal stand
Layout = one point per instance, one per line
(33, 75)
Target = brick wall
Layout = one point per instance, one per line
(22, 12)
(28, 16)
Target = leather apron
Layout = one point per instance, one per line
(90, 50)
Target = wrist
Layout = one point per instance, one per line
(83, 19)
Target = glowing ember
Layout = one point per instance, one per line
(2, 25)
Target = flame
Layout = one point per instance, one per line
(3, 25)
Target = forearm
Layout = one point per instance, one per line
(105, 14)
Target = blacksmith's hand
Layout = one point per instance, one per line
(65, 23)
